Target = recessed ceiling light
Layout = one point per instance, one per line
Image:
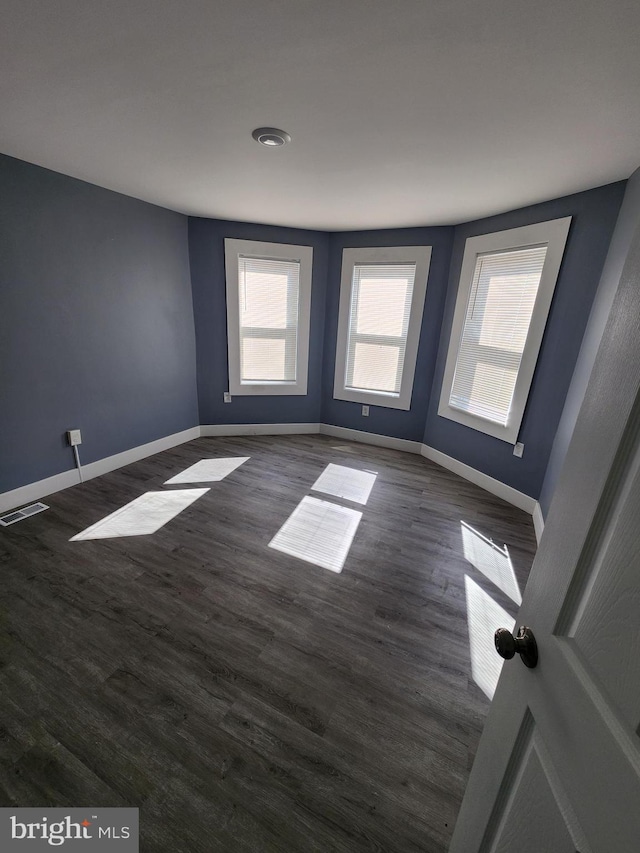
(271, 136)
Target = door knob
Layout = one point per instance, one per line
(524, 643)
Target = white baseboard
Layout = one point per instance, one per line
(42, 488)
(371, 438)
(500, 490)
(538, 521)
(119, 460)
(210, 430)
(495, 487)
(34, 491)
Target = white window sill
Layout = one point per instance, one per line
(373, 398)
(263, 389)
(508, 433)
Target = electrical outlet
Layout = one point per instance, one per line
(518, 450)
(227, 396)
(74, 437)
(365, 411)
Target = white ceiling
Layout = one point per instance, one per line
(401, 112)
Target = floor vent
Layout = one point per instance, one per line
(20, 514)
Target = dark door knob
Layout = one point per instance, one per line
(524, 643)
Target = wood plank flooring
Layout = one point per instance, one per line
(243, 699)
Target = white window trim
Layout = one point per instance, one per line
(554, 233)
(421, 256)
(277, 251)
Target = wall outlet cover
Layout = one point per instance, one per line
(365, 411)
(74, 437)
(518, 450)
(227, 397)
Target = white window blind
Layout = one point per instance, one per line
(381, 296)
(501, 303)
(269, 293)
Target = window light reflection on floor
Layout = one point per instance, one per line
(208, 470)
(484, 615)
(348, 483)
(318, 532)
(494, 562)
(142, 516)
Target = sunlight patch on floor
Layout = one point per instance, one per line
(494, 562)
(143, 516)
(348, 483)
(208, 470)
(484, 615)
(318, 532)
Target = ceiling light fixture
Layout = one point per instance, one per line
(271, 136)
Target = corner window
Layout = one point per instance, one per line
(506, 287)
(382, 296)
(268, 309)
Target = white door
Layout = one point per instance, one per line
(558, 766)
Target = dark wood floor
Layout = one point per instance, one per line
(245, 700)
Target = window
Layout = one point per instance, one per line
(505, 292)
(268, 305)
(382, 295)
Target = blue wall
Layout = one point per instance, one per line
(98, 296)
(382, 421)
(594, 215)
(96, 323)
(626, 226)
(206, 251)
